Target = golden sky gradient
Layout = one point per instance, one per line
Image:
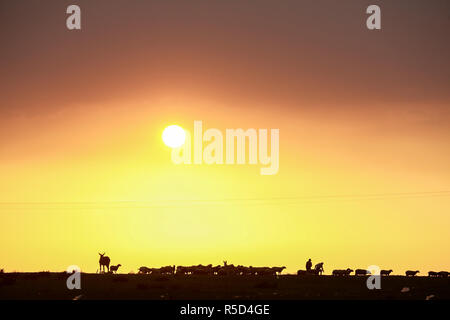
(83, 168)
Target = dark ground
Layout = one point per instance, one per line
(46, 285)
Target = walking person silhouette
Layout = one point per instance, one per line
(308, 265)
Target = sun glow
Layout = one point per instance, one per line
(174, 136)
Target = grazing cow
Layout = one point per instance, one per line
(443, 274)
(167, 270)
(104, 262)
(432, 274)
(410, 273)
(342, 272)
(227, 269)
(215, 270)
(363, 272)
(155, 271)
(248, 271)
(385, 272)
(196, 270)
(314, 271)
(264, 271)
(145, 270)
(181, 270)
(114, 268)
(278, 269)
(241, 270)
(202, 270)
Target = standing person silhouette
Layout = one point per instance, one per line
(308, 265)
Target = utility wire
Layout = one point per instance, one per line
(137, 204)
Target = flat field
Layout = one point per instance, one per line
(46, 285)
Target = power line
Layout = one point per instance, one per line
(136, 204)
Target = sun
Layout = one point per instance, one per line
(174, 136)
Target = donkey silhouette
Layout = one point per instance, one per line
(104, 262)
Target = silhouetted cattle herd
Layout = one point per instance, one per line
(226, 269)
(230, 269)
(255, 271)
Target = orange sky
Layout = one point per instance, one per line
(83, 168)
